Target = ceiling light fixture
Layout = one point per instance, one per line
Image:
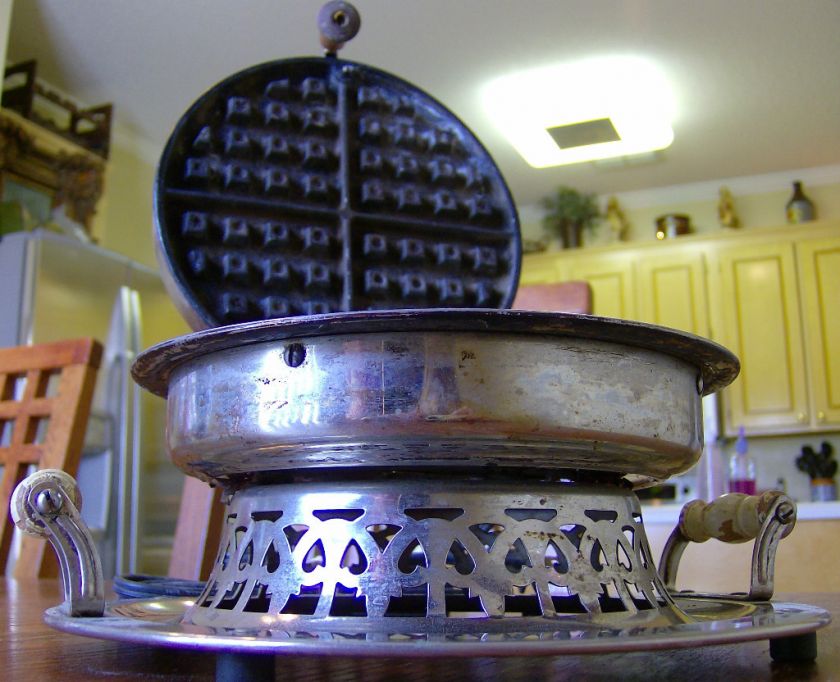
(592, 109)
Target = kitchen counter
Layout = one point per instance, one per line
(805, 560)
(805, 511)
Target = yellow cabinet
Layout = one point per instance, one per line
(770, 295)
(760, 321)
(819, 274)
(612, 280)
(543, 268)
(671, 286)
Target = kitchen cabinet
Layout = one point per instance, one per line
(758, 301)
(542, 269)
(671, 289)
(819, 274)
(613, 282)
(770, 295)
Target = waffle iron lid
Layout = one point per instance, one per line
(315, 185)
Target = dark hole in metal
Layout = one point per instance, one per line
(526, 514)
(383, 533)
(487, 533)
(599, 515)
(271, 560)
(517, 557)
(305, 603)
(294, 354)
(266, 515)
(344, 514)
(445, 513)
(294, 533)
(412, 557)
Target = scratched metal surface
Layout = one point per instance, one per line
(716, 365)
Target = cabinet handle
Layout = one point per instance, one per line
(801, 417)
(820, 416)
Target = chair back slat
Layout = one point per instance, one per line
(45, 397)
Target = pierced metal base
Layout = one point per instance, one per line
(435, 551)
(710, 621)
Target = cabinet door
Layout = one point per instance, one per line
(761, 324)
(612, 281)
(819, 273)
(672, 290)
(541, 269)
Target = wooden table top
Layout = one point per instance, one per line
(29, 650)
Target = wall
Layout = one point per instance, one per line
(775, 459)
(123, 222)
(5, 23)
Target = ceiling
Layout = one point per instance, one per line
(755, 80)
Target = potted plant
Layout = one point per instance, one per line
(568, 214)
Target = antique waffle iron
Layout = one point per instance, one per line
(405, 473)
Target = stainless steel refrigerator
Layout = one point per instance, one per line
(54, 287)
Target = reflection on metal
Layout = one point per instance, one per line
(765, 518)
(487, 389)
(159, 622)
(46, 504)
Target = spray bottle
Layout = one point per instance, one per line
(741, 467)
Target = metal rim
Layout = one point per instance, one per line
(717, 366)
(140, 622)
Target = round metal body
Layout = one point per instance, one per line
(429, 389)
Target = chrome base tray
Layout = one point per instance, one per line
(157, 622)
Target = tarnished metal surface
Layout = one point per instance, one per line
(433, 399)
(158, 622)
(435, 550)
(716, 366)
(765, 518)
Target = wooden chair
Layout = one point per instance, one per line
(565, 297)
(197, 532)
(45, 397)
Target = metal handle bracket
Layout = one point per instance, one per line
(735, 518)
(47, 504)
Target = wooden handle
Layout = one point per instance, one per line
(732, 518)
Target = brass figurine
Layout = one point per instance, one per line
(616, 219)
(726, 209)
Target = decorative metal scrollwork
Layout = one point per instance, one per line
(385, 550)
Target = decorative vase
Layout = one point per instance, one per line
(800, 209)
(823, 490)
(672, 225)
(570, 233)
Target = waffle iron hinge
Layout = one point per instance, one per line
(735, 518)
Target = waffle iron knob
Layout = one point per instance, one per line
(338, 22)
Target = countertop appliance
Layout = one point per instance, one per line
(455, 481)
